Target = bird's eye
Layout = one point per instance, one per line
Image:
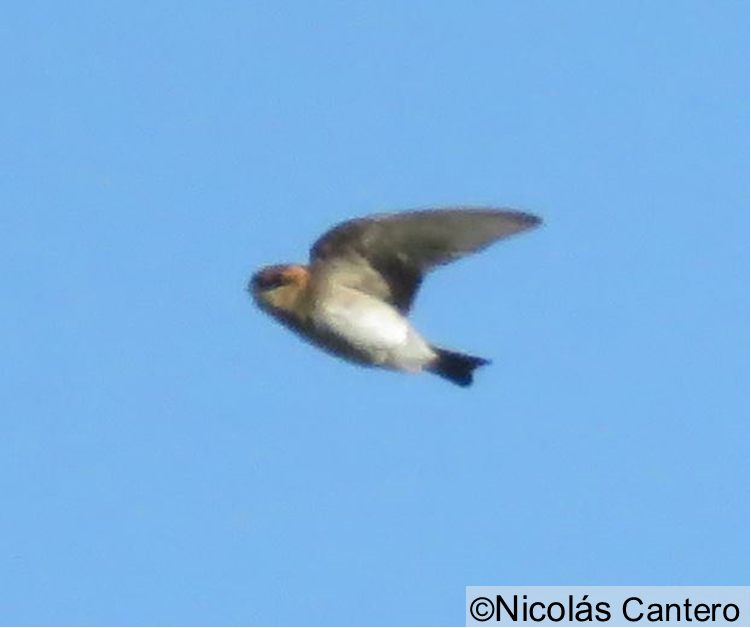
(267, 281)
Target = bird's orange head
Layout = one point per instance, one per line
(281, 289)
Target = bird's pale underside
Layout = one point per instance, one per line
(353, 298)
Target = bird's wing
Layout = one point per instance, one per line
(387, 255)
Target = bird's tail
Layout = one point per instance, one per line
(458, 368)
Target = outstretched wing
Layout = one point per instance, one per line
(388, 255)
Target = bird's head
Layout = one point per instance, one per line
(280, 289)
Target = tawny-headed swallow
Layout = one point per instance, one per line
(353, 299)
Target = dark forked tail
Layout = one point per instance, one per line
(458, 368)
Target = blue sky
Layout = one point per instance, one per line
(169, 455)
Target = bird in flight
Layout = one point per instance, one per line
(353, 299)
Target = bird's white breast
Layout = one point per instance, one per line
(362, 320)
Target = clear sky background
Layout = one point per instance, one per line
(169, 455)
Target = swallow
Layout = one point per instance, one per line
(353, 298)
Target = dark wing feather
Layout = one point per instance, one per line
(388, 255)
